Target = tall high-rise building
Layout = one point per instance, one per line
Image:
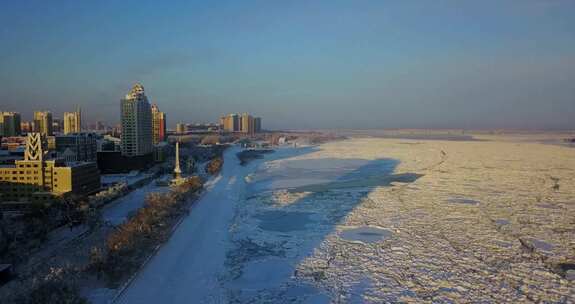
(247, 125)
(257, 124)
(136, 123)
(237, 122)
(10, 124)
(222, 123)
(158, 125)
(43, 123)
(73, 122)
(228, 124)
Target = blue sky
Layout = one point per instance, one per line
(298, 64)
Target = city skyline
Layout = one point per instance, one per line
(368, 151)
(301, 65)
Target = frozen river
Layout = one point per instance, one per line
(376, 220)
(236, 244)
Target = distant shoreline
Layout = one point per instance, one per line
(560, 137)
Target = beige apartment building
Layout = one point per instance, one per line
(230, 123)
(247, 124)
(244, 123)
(43, 123)
(73, 122)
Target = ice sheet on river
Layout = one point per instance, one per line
(374, 220)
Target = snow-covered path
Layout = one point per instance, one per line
(186, 268)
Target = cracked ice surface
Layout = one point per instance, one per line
(377, 220)
(440, 221)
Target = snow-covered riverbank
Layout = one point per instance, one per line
(187, 268)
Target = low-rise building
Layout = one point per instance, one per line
(77, 146)
(26, 126)
(37, 179)
(109, 143)
(181, 128)
(161, 151)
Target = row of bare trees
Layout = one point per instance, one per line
(21, 235)
(123, 252)
(131, 242)
(214, 166)
(58, 285)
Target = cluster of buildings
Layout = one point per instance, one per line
(242, 123)
(59, 157)
(231, 123)
(40, 177)
(11, 123)
(142, 135)
(47, 167)
(196, 128)
(69, 142)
